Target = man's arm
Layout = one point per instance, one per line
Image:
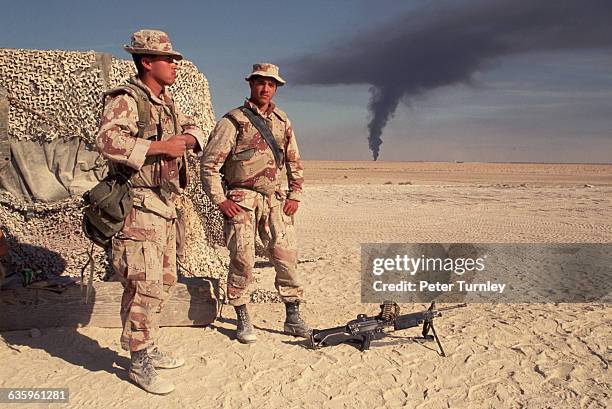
(220, 144)
(295, 171)
(117, 140)
(195, 137)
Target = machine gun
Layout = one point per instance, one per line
(361, 331)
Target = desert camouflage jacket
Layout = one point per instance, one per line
(118, 142)
(237, 153)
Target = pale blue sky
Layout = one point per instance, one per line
(548, 107)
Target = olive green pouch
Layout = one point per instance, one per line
(107, 206)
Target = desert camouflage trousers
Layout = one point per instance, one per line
(261, 215)
(144, 260)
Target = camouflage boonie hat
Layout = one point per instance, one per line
(266, 70)
(151, 42)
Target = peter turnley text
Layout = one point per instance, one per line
(422, 286)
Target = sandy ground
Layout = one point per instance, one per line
(499, 356)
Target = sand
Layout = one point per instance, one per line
(499, 356)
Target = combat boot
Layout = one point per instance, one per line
(244, 329)
(294, 324)
(143, 373)
(164, 360)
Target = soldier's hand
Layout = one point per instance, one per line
(175, 146)
(190, 140)
(291, 206)
(230, 208)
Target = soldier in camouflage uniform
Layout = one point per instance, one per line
(144, 252)
(238, 156)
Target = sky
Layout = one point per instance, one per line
(413, 80)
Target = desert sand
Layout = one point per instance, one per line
(499, 356)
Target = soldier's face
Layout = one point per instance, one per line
(262, 90)
(162, 68)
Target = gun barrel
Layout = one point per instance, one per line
(411, 320)
(452, 307)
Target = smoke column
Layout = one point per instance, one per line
(446, 42)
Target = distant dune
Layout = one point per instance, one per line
(351, 172)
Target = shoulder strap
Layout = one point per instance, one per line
(260, 124)
(177, 127)
(144, 108)
(232, 119)
(142, 104)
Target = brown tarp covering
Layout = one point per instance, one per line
(50, 171)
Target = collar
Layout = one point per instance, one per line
(163, 98)
(255, 108)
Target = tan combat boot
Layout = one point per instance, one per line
(164, 360)
(144, 375)
(294, 324)
(244, 329)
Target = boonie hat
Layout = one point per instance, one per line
(266, 70)
(152, 42)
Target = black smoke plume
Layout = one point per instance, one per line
(446, 42)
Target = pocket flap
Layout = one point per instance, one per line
(152, 261)
(155, 205)
(244, 155)
(243, 197)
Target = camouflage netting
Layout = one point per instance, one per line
(49, 111)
